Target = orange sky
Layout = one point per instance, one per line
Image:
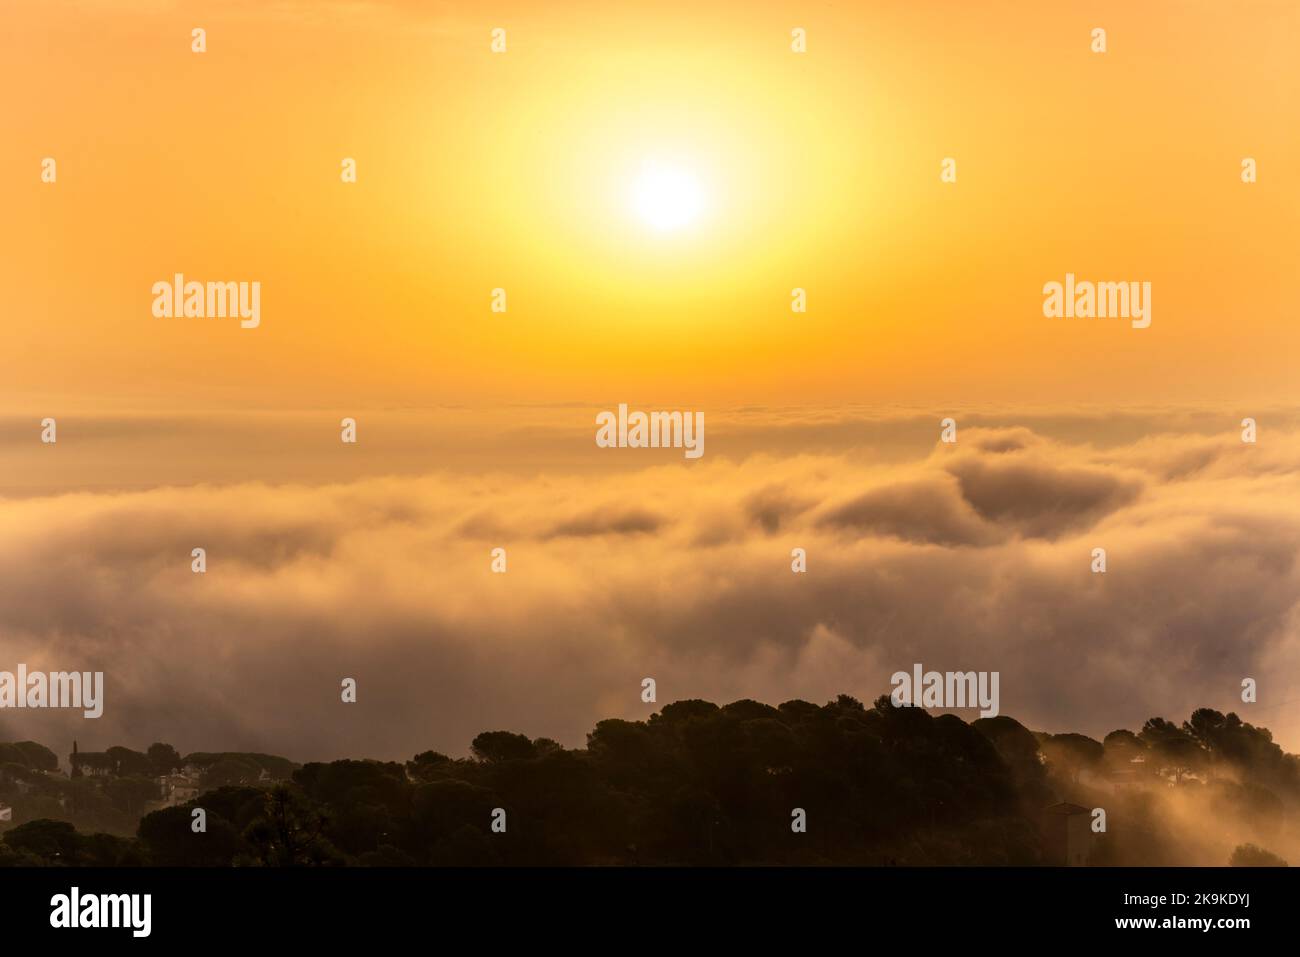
(479, 171)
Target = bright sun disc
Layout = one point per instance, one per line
(667, 198)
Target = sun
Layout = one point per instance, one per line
(667, 198)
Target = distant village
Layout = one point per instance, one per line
(111, 790)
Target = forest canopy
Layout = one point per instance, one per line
(695, 783)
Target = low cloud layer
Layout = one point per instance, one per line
(972, 557)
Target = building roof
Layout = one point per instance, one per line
(1065, 808)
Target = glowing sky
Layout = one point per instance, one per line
(479, 171)
(523, 171)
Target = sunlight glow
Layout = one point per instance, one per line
(667, 197)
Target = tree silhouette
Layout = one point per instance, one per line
(694, 783)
